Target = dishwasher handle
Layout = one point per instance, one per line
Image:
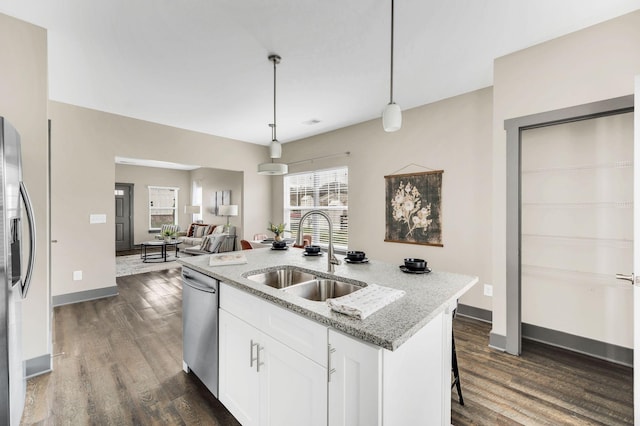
(186, 279)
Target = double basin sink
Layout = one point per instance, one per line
(304, 284)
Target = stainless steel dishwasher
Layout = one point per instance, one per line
(200, 327)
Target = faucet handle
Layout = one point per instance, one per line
(335, 260)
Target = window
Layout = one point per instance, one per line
(196, 198)
(325, 190)
(162, 206)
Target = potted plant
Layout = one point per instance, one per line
(168, 235)
(278, 230)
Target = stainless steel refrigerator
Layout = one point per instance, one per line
(15, 276)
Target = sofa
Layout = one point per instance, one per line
(195, 233)
(202, 238)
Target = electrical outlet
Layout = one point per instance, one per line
(77, 275)
(488, 290)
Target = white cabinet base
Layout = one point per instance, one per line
(301, 381)
(417, 377)
(374, 386)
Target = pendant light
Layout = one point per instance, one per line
(392, 115)
(275, 148)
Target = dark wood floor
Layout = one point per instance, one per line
(128, 252)
(119, 361)
(543, 386)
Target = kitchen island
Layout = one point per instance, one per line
(390, 368)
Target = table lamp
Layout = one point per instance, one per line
(228, 210)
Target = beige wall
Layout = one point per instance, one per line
(453, 135)
(84, 145)
(23, 102)
(594, 64)
(142, 178)
(213, 180)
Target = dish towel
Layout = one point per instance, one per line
(362, 303)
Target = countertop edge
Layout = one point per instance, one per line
(343, 326)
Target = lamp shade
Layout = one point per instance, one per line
(192, 209)
(392, 117)
(273, 169)
(275, 149)
(228, 210)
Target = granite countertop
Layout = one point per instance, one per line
(426, 294)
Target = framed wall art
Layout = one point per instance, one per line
(221, 198)
(413, 208)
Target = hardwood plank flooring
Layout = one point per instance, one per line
(118, 361)
(543, 386)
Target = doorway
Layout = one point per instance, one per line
(516, 128)
(577, 233)
(124, 216)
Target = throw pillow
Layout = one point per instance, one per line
(214, 242)
(199, 231)
(205, 243)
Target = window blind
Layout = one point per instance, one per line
(162, 206)
(324, 190)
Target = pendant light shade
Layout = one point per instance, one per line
(392, 118)
(392, 114)
(273, 169)
(275, 149)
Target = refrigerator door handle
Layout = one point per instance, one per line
(32, 239)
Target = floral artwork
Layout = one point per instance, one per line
(413, 208)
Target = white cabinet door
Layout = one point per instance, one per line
(264, 382)
(355, 381)
(238, 386)
(293, 389)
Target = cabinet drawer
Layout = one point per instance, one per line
(300, 334)
(241, 304)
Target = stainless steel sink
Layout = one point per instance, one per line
(322, 289)
(282, 277)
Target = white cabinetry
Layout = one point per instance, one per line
(264, 381)
(238, 385)
(274, 370)
(355, 381)
(369, 385)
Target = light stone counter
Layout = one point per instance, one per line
(426, 294)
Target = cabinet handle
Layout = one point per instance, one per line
(251, 358)
(330, 370)
(258, 363)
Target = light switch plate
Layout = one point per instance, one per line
(488, 290)
(98, 218)
(77, 275)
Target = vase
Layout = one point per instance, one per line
(278, 237)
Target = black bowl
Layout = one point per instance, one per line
(312, 249)
(415, 264)
(355, 255)
(279, 244)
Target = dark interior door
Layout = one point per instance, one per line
(124, 216)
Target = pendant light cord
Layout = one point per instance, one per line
(273, 129)
(391, 85)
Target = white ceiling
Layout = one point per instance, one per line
(202, 64)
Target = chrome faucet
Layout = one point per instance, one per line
(331, 258)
